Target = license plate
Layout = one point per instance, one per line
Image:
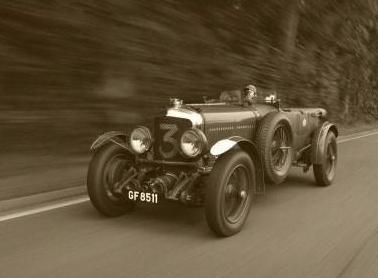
(145, 197)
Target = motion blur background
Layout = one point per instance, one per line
(70, 70)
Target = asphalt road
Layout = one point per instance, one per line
(295, 230)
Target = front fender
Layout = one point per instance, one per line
(225, 145)
(116, 137)
(318, 142)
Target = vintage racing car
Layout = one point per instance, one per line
(219, 153)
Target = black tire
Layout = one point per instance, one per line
(106, 168)
(324, 173)
(226, 207)
(276, 159)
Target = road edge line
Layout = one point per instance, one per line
(351, 137)
(44, 208)
(43, 197)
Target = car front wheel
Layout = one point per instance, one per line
(230, 191)
(107, 167)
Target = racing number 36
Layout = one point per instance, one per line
(170, 143)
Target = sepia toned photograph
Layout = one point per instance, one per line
(186, 138)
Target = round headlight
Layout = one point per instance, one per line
(193, 142)
(141, 139)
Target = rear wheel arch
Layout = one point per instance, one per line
(334, 129)
(318, 139)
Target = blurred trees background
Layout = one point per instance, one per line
(72, 69)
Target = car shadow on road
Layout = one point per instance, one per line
(166, 217)
(163, 218)
(300, 181)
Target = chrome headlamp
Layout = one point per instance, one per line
(140, 139)
(193, 142)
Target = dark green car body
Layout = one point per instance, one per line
(219, 154)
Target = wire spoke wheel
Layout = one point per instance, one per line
(274, 143)
(280, 147)
(236, 193)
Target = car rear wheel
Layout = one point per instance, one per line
(324, 173)
(275, 146)
(107, 167)
(229, 193)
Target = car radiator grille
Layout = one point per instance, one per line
(168, 132)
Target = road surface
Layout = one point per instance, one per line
(295, 230)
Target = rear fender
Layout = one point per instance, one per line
(225, 145)
(319, 140)
(115, 137)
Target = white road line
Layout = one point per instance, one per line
(357, 137)
(43, 208)
(86, 199)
